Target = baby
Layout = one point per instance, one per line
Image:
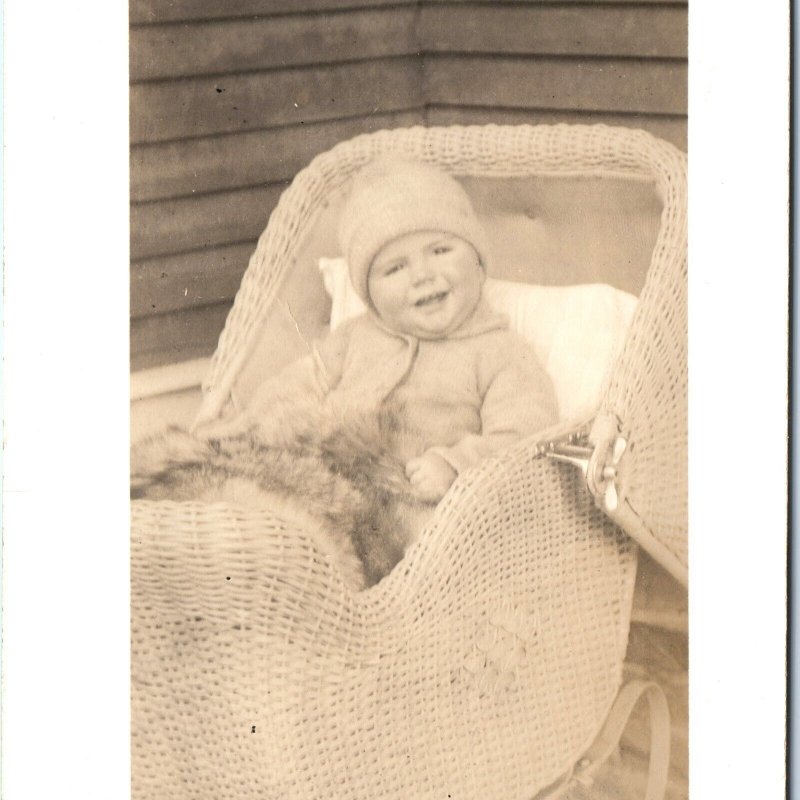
(431, 364)
(430, 376)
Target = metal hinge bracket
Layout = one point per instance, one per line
(597, 453)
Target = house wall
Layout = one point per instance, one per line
(230, 100)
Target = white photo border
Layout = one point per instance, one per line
(65, 549)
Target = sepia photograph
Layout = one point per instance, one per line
(378, 420)
(409, 399)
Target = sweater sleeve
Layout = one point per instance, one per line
(298, 386)
(518, 402)
(310, 378)
(329, 355)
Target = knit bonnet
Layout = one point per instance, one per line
(393, 196)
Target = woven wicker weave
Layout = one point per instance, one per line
(487, 661)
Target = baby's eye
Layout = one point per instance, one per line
(441, 249)
(395, 267)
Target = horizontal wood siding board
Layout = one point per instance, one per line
(543, 83)
(669, 128)
(199, 107)
(170, 338)
(223, 47)
(214, 48)
(175, 169)
(199, 278)
(595, 30)
(194, 223)
(148, 12)
(585, 3)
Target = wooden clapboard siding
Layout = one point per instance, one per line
(228, 161)
(597, 84)
(230, 100)
(233, 46)
(536, 62)
(147, 12)
(584, 3)
(180, 336)
(672, 128)
(198, 278)
(202, 106)
(192, 223)
(593, 30)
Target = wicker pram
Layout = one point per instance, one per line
(486, 663)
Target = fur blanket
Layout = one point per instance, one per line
(344, 489)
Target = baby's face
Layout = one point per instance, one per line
(426, 283)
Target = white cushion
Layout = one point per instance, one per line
(577, 331)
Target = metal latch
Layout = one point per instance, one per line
(599, 463)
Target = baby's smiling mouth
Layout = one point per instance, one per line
(431, 299)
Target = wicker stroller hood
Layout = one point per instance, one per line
(486, 663)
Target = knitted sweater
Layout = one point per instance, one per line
(463, 397)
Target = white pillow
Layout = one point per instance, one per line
(577, 331)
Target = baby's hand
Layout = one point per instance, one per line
(431, 476)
